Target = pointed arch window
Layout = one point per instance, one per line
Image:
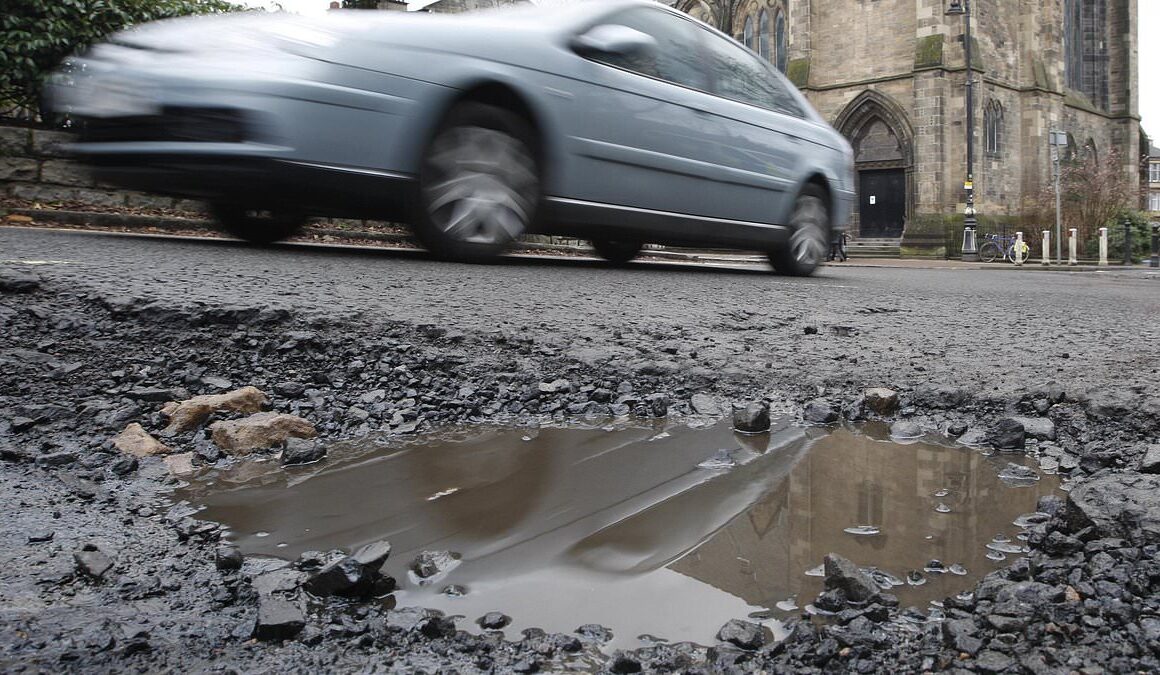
(763, 34)
(747, 33)
(1090, 155)
(993, 127)
(779, 42)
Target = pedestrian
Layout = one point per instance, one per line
(838, 247)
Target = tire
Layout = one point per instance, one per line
(989, 252)
(617, 252)
(809, 238)
(479, 184)
(258, 226)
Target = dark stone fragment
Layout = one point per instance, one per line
(92, 562)
(594, 632)
(820, 412)
(887, 599)
(1008, 434)
(302, 451)
(136, 646)
(841, 574)
(752, 418)
(123, 466)
(567, 643)
(622, 663)
(22, 423)
(831, 601)
(157, 394)
(279, 618)
(877, 613)
(373, 555)
(1007, 624)
(811, 330)
(744, 634)
(41, 537)
(436, 627)
(18, 281)
(956, 430)
(95, 460)
(959, 634)
(429, 564)
(227, 557)
(1049, 504)
(860, 631)
(991, 661)
(658, 404)
(56, 459)
(494, 620)
(345, 577)
(1125, 506)
(944, 397)
(289, 389)
(1150, 463)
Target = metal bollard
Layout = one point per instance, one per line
(1071, 259)
(1103, 247)
(1018, 249)
(1046, 246)
(1155, 244)
(1127, 241)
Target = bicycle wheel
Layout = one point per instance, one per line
(989, 251)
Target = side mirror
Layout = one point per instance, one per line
(614, 40)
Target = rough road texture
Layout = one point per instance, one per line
(100, 574)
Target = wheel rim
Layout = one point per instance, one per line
(808, 241)
(481, 186)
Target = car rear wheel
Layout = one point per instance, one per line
(809, 236)
(258, 226)
(617, 252)
(479, 186)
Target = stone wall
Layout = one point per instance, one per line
(34, 166)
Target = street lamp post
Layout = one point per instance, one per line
(969, 253)
(1057, 141)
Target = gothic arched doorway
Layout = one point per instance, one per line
(884, 161)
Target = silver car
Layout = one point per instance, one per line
(622, 122)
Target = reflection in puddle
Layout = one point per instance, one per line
(665, 532)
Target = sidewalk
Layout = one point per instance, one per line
(319, 234)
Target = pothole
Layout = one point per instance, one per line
(656, 532)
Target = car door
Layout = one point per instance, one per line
(766, 140)
(640, 128)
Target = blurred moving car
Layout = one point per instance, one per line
(623, 122)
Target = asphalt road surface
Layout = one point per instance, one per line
(998, 328)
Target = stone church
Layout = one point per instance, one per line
(891, 75)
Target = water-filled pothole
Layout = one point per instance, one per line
(653, 531)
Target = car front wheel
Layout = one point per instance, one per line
(479, 186)
(809, 236)
(258, 226)
(617, 252)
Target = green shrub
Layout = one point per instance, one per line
(1141, 238)
(38, 34)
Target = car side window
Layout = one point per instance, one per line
(738, 75)
(677, 58)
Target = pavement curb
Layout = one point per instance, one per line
(178, 224)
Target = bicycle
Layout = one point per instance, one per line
(997, 246)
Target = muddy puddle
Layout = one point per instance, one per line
(657, 532)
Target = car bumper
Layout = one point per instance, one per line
(250, 174)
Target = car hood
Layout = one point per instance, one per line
(235, 31)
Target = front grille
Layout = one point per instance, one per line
(174, 124)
